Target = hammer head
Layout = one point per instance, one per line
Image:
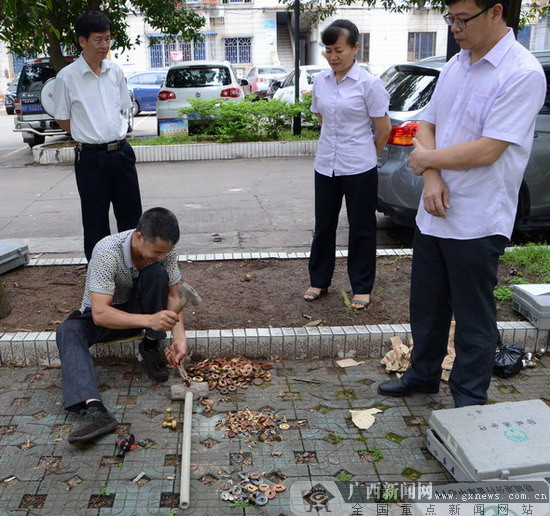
(188, 295)
(199, 390)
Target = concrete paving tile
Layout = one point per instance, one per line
(44, 398)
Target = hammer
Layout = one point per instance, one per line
(187, 295)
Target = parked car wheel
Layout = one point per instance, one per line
(135, 108)
(10, 110)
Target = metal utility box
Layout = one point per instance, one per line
(492, 442)
(12, 255)
(533, 302)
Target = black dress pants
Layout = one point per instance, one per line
(78, 333)
(361, 192)
(455, 276)
(103, 178)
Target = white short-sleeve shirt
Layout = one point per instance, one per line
(93, 104)
(346, 145)
(111, 270)
(498, 97)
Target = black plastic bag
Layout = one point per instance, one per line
(508, 360)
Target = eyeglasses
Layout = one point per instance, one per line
(98, 42)
(461, 24)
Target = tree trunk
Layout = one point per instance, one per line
(5, 307)
(56, 55)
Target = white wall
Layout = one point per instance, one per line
(389, 33)
(6, 74)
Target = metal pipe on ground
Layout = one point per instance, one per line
(186, 451)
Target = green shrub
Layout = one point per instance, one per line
(243, 121)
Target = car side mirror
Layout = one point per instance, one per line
(244, 82)
(276, 85)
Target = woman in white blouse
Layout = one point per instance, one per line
(348, 101)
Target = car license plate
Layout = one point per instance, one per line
(28, 108)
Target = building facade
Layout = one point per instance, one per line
(261, 32)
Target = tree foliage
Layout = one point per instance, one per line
(318, 11)
(46, 27)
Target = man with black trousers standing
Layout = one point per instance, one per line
(471, 150)
(90, 95)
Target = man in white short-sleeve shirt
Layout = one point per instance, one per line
(90, 95)
(132, 285)
(472, 148)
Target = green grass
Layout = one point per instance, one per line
(532, 260)
(503, 293)
(344, 476)
(529, 263)
(375, 454)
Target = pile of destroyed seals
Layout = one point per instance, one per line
(263, 425)
(250, 488)
(229, 374)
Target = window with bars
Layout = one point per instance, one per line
(421, 45)
(364, 47)
(238, 50)
(165, 51)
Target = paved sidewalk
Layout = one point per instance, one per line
(55, 478)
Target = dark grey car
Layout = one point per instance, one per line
(410, 87)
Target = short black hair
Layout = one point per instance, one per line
(159, 223)
(331, 34)
(92, 21)
(487, 4)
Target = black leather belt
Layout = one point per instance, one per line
(109, 147)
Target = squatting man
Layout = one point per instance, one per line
(132, 284)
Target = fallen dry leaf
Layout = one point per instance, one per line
(316, 322)
(62, 309)
(364, 419)
(348, 362)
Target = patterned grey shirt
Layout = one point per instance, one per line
(111, 270)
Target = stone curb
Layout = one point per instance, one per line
(35, 349)
(208, 257)
(193, 151)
